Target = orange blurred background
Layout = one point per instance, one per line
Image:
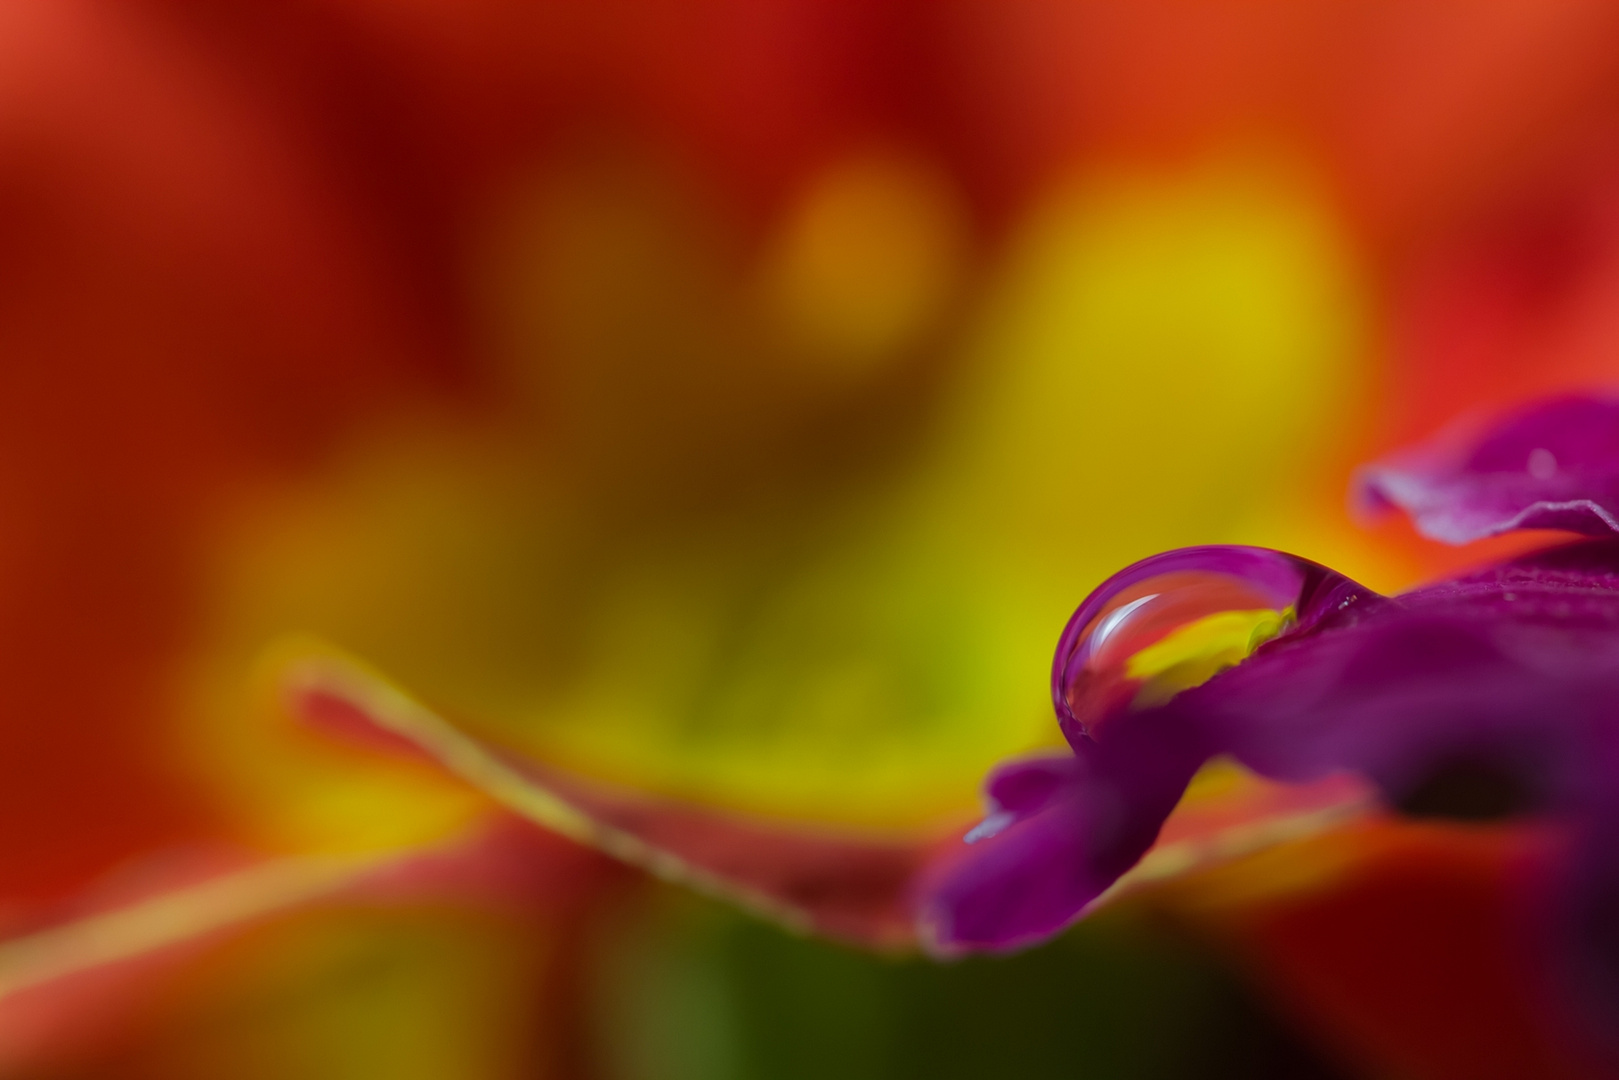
(733, 400)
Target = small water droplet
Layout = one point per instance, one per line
(1542, 463)
(1176, 620)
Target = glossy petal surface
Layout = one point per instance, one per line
(1061, 832)
(1554, 465)
(1507, 673)
(1078, 824)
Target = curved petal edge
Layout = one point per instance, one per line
(1551, 465)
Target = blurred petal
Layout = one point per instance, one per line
(191, 306)
(861, 888)
(1406, 944)
(1065, 834)
(847, 887)
(684, 562)
(1552, 465)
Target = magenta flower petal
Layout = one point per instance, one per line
(1491, 697)
(1060, 832)
(1488, 693)
(1553, 465)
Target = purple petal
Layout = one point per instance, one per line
(1553, 465)
(1497, 688)
(1494, 696)
(1066, 829)
(1019, 789)
(1061, 831)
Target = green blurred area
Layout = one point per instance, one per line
(698, 992)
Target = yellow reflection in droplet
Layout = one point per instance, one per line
(864, 261)
(1193, 654)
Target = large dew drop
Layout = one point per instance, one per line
(1175, 620)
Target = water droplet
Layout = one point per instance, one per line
(1176, 620)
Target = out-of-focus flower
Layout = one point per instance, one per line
(713, 404)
